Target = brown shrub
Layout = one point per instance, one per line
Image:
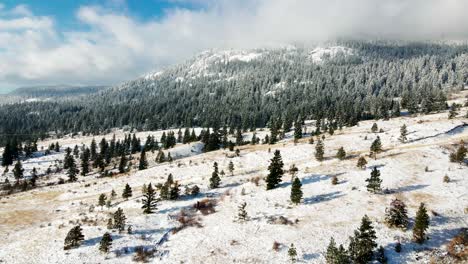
(206, 206)
(276, 246)
(256, 180)
(458, 246)
(143, 254)
(186, 218)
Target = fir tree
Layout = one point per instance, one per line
(18, 171)
(123, 164)
(292, 253)
(110, 224)
(380, 256)
(102, 200)
(33, 177)
(363, 242)
(376, 147)
(373, 183)
(113, 194)
(127, 193)
(374, 128)
(242, 214)
(119, 220)
(72, 170)
(460, 154)
(73, 238)
(85, 162)
(362, 162)
(319, 150)
(231, 168)
(336, 255)
(421, 224)
(149, 200)
(396, 215)
(106, 242)
(174, 192)
(296, 192)
(341, 153)
(297, 131)
(215, 180)
(143, 162)
(403, 133)
(275, 171)
(93, 150)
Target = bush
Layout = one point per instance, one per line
(458, 246)
(205, 206)
(143, 254)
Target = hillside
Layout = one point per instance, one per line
(35, 223)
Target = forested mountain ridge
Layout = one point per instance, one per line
(247, 89)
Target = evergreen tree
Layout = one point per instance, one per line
(102, 200)
(93, 150)
(242, 214)
(380, 256)
(33, 177)
(421, 224)
(127, 192)
(460, 154)
(297, 131)
(275, 171)
(215, 180)
(73, 238)
(362, 162)
(123, 164)
(373, 183)
(341, 153)
(453, 111)
(72, 170)
(336, 255)
(376, 147)
(292, 252)
(363, 242)
(231, 168)
(396, 215)
(149, 200)
(119, 220)
(319, 150)
(106, 242)
(374, 128)
(296, 192)
(18, 171)
(110, 224)
(7, 156)
(403, 133)
(113, 194)
(85, 162)
(174, 192)
(143, 162)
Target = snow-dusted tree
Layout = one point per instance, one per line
(149, 200)
(242, 213)
(276, 172)
(376, 147)
(106, 242)
(341, 153)
(110, 224)
(102, 200)
(74, 238)
(336, 255)
(362, 162)
(373, 183)
(403, 133)
(396, 215)
(374, 128)
(127, 192)
(231, 168)
(119, 220)
(215, 180)
(421, 223)
(296, 191)
(292, 253)
(319, 150)
(174, 191)
(380, 256)
(363, 242)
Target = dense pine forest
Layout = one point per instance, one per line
(362, 81)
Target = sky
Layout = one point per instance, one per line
(90, 42)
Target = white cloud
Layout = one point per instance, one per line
(117, 47)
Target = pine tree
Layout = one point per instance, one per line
(363, 242)
(127, 192)
(18, 171)
(174, 191)
(231, 168)
(113, 194)
(292, 252)
(336, 255)
(143, 162)
(110, 224)
(33, 177)
(149, 200)
(242, 214)
(374, 128)
(376, 147)
(73, 238)
(403, 133)
(72, 170)
(93, 151)
(296, 192)
(275, 171)
(85, 162)
(123, 163)
(7, 156)
(374, 181)
(341, 153)
(215, 180)
(119, 220)
(362, 162)
(460, 154)
(102, 200)
(421, 224)
(319, 150)
(396, 215)
(106, 242)
(297, 131)
(380, 256)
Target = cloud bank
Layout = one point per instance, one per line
(115, 46)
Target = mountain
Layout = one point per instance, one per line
(345, 82)
(55, 91)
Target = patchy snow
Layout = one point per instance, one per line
(153, 76)
(38, 220)
(319, 54)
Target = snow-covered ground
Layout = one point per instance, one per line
(33, 224)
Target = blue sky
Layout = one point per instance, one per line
(90, 42)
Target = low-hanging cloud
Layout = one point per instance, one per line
(116, 46)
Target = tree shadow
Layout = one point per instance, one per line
(408, 188)
(95, 240)
(309, 179)
(323, 197)
(310, 256)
